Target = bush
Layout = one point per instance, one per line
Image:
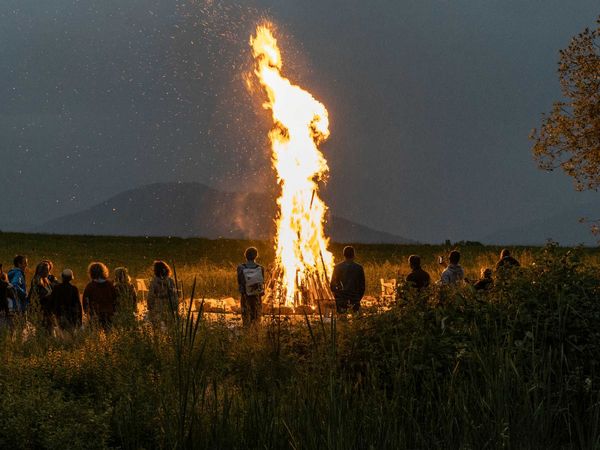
(514, 367)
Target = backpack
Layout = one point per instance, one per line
(253, 277)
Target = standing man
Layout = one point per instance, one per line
(454, 273)
(66, 303)
(16, 277)
(251, 284)
(348, 282)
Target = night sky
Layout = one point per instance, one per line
(431, 103)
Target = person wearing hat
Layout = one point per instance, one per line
(66, 302)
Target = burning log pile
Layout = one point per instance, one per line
(312, 290)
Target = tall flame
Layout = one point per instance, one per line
(301, 123)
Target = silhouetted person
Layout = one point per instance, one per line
(51, 278)
(40, 294)
(126, 293)
(16, 277)
(454, 273)
(99, 296)
(506, 260)
(162, 294)
(486, 281)
(66, 302)
(4, 289)
(348, 282)
(250, 277)
(417, 278)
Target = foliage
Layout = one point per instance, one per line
(569, 137)
(513, 367)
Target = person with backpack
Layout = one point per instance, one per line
(16, 277)
(348, 283)
(251, 284)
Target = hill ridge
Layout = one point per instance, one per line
(195, 210)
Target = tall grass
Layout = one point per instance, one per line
(516, 367)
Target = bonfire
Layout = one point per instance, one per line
(303, 263)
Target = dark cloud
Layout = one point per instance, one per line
(431, 103)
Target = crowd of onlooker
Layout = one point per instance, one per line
(454, 273)
(60, 304)
(348, 279)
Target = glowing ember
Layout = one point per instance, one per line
(301, 123)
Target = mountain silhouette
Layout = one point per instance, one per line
(196, 210)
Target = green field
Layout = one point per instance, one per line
(517, 367)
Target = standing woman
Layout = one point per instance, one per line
(126, 294)
(51, 278)
(100, 296)
(162, 295)
(40, 293)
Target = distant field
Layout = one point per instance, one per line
(213, 262)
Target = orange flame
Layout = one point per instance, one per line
(301, 123)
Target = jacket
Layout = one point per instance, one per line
(453, 274)
(16, 277)
(4, 289)
(99, 297)
(348, 281)
(40, 293)
(66, 303)
(418, 278)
